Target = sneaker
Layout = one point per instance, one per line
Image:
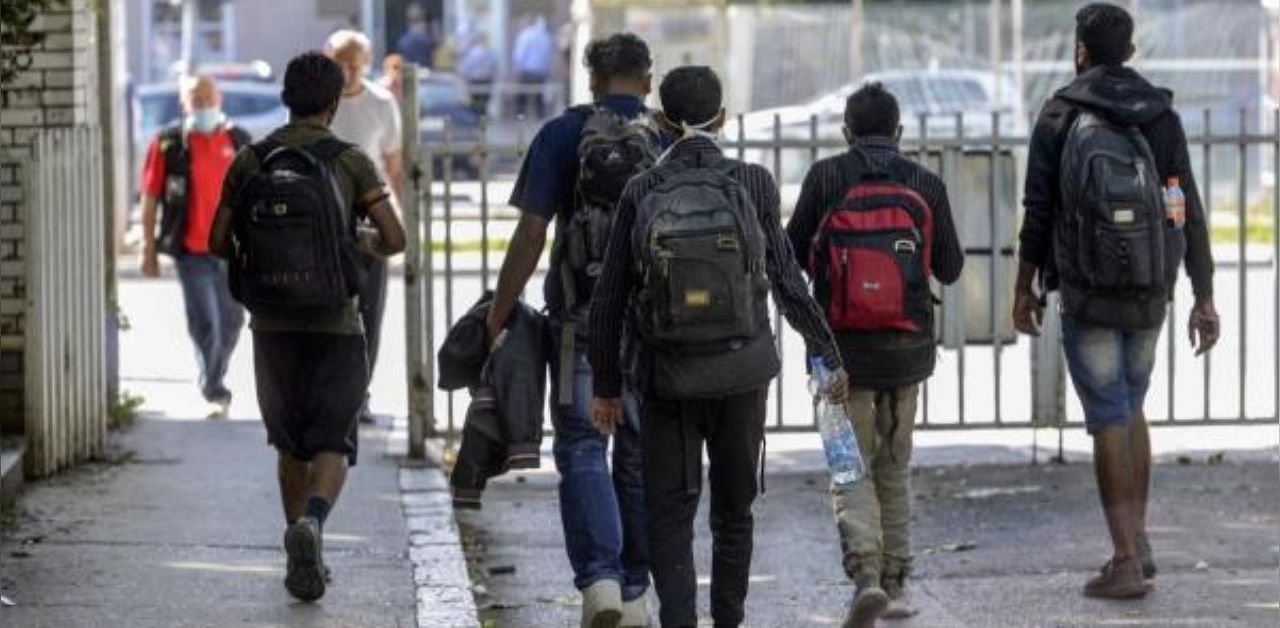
(1144, 553)
(635, 614)
(899, 599)
(869, 602)
(602, 604)
(220, 398)
(1118, 580)
(304, 577)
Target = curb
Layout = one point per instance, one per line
(440, 576)
(11, 473)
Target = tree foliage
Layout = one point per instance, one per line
(16, 40)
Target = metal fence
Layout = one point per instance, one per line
(66, 387)
(987, 377)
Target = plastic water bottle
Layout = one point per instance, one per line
(844, 458)
(1175, 203)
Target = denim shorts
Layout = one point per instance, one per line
(1111, 369)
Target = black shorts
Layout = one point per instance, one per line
(310, 390)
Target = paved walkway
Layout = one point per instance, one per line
(1001, 546)
(182, 527)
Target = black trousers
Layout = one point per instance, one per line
(373, 303)
(673, 433)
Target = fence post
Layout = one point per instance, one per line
(419, 386)
(1048, 374)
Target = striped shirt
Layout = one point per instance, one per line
(617, 281)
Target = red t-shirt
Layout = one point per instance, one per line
(211, 155)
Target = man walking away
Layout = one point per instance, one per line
(292, 203)
(837, 231)
(532, 57)
(574, 172)
(417, 43)
(1098, 230)
(697, 243)
(183, 176)
(369, 118)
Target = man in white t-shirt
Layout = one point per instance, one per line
(369, 117)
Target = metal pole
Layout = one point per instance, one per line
(855, 40)
(1208, 210)
(1019, 63)
(1243, 202)
(419, 384)
(188, 43)
(993, 38)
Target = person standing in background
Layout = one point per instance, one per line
(390, 79)
(531, 58)
(368, 117)
(183, 176)
(479, 66)
(417, 44)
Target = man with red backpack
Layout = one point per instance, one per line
(873, 227)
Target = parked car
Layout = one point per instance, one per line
(444, 97)
(941, 95)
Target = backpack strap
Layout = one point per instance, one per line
(173, 141)
(327, 149)
(239, 137)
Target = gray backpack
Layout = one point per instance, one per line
(703, 296)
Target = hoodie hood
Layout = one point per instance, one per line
(1119, 94)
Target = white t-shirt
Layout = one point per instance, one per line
(370, 120)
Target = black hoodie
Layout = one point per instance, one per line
(1124, 97)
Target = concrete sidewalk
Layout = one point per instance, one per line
(182, 527)
(997, 545)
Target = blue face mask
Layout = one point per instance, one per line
(206, 120)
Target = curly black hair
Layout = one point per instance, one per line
(312, 84)
(1106, 31)
(872, 110)
(621, 55)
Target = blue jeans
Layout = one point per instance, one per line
(1110, 368)
(603, 516)
(214, 318)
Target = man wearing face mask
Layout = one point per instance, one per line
(368, 117)
(183, 176)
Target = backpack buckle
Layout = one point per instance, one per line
(727, 242)
(904, 246)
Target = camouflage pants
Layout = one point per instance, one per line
(873, 514)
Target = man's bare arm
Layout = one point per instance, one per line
(394, 166)
(521, 260)
(150, 263)
(391, 239)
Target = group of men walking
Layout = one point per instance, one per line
(665, 254)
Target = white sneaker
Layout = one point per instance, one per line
(635, 614)
(602, 604)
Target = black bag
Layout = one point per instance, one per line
(177, 184)
(1111, 235)
(294, 238)
(703, 296)
(611, 151)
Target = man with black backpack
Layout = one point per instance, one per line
(1100, 229)
(287, 226)
(873, 228)
(574, 173)
(696, 246)
(183, 176)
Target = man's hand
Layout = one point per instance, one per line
(606, 414)
(150, 262)
(838, 390)
(1028, 312)
(1203, 323)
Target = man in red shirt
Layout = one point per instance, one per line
(183, 177)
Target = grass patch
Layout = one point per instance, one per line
(125, 411)
(1254, 233)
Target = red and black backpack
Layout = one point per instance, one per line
(871, 257)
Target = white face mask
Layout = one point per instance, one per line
(692, 130)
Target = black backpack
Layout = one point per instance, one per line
(1111, 234)
(703, 297)
(294, 238)
(177, 184)
(611, 151)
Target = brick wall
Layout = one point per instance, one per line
(58, 89)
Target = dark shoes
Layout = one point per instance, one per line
(306, 575)
(1118, 580)
(1144, 553)
(869, 601)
